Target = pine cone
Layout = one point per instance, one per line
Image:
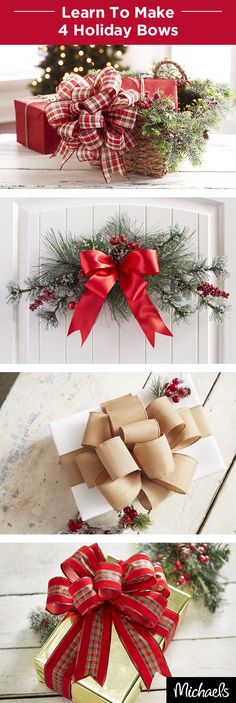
(183, 550)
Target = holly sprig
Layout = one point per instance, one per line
(194, 567)
(174, 390)
(129, 517)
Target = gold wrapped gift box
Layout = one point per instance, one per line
(122, 684)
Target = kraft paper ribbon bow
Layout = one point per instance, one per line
(132, 595)
(103, 273)
(94, 117)
(129, 453)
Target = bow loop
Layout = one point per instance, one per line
(59, 600)
(84, 595)
(138, 573)
(107, 580)
(82, 563)
(101, 271)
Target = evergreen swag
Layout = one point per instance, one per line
(193, 567)
(182, 284)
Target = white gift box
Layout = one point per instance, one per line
(68, 432)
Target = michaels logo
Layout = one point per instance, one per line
(182, 690)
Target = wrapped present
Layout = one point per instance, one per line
(135, 447)
(151, 86)
(119, 619)
(32, 127)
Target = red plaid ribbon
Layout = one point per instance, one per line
(94, 117)
(130, 594)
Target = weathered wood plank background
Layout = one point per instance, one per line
(22, 168)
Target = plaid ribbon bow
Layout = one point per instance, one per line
(94, 117)
(130, 594)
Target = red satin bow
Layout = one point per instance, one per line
(94, 117)
(103, 274)
(130, 594)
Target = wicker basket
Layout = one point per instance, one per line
(144, 158)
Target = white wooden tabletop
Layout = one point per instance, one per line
(204, 645)
(35, 494)
(23, 168)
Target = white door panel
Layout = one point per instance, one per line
(25, 340)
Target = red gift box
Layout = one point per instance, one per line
(167, 86)
(32, 128)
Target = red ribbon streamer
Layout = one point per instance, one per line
(132, 595)
(103, 274)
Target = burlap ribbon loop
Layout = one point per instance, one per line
(129, 452)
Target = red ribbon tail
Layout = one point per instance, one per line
(148, 317)
(94, 648)
(85, 314)
(142, 649)
(55, 677)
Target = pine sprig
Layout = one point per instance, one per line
(175, 287)
(43, 623)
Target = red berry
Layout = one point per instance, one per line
(175, 399)
(201, 550)
(168, 393)
(71, 305)
(176, 381)
(206, 558)
(138, 246)
(122, 238)
(179, 565)
(71, 526)
(192, 546)
(182, 391)
(204, 545)
(127, 510)
(181, 580)
(187, 576)
(202, 558)
(127, 519)
(133, 514)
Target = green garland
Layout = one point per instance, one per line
(182, 284)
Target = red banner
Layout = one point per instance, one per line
(68, 22)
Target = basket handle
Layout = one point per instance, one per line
(184, 78)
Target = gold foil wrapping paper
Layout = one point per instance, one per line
(122, 684)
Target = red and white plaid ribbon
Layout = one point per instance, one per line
(94, 117)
